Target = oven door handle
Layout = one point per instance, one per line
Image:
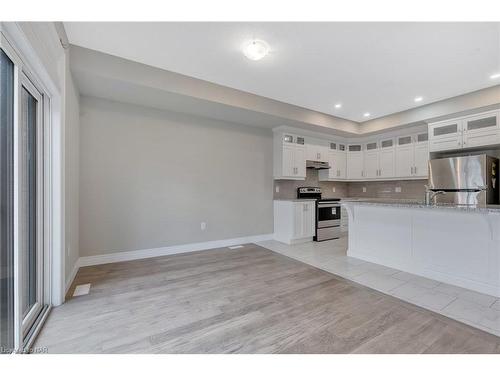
(320, 205)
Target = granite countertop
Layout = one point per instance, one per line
(296, 200)
(490, 208)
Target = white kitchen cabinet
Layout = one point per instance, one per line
(289, 157)
(355, 162)
(465, 132)
(404, 161)
(317, 150)
(294, 221)
(412, 156)
(371, 164)
(337, 162)
(386, 163)
(340, 164)
(445, 135)
(421, 160)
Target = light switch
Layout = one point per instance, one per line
(397, 189)
(364, 189)
(333, 189)
(277, 188)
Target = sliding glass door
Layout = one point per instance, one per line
(31, 240)
(23, 259)
(6, 204)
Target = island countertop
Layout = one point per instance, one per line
(489, 209)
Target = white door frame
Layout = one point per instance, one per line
(19, 50)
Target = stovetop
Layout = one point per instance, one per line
(313, 193)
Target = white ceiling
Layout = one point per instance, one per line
(368, 67)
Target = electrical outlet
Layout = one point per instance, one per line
(333, 189)
(397, 189)
(277, 188)
(203, 225)
(364, 189)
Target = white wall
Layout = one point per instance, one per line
(72, 172)
(148, 178)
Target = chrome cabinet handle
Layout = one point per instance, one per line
(415, 169)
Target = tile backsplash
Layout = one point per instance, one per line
(409, 189)
(288, 188)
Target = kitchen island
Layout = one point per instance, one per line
(455, 244)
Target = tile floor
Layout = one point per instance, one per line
(479, 310)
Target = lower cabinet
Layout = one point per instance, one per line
(294, 221)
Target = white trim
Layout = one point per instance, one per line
(72, 276)
(162, 251)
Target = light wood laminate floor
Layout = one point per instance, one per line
(249, 300)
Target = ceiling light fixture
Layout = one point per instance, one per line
(338, 105)
(367, 114)
(256, 49)
(495, 76)
(418, 99)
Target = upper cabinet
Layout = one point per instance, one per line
(465, 132)
(412, 156)
(355, 162)
(337, 161)
(381, 158)
(316, 150)
(289, 157)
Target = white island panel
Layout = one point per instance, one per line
(455, 246)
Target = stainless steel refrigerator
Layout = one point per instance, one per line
(465, 179)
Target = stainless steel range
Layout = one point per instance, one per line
(327, 213)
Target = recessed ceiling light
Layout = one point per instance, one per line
(367, 114)
(255, 49)
(338, 105)
(418, 99)
(495, 76)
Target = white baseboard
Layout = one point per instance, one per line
(72, 276)
(162, 251)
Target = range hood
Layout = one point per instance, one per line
(312, 164)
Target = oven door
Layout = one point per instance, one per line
(328, 214)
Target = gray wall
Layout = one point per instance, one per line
(71, 165)
(149, 178)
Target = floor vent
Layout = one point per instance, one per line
(236, 247)
(81, 290)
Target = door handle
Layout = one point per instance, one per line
(415, 169)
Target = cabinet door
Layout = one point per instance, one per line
(332, 161)
(308, 221)
(445, 135)
(371, 164)
(387, 161)
(355, 165)
(404, 161)
(323, 153)
(341, 165)
(311, 151)
(478, 139)
(299, 161)
(421, 160)
(481, 123)
(298, 220)
(288, 164)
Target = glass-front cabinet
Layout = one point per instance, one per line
(478, 130)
